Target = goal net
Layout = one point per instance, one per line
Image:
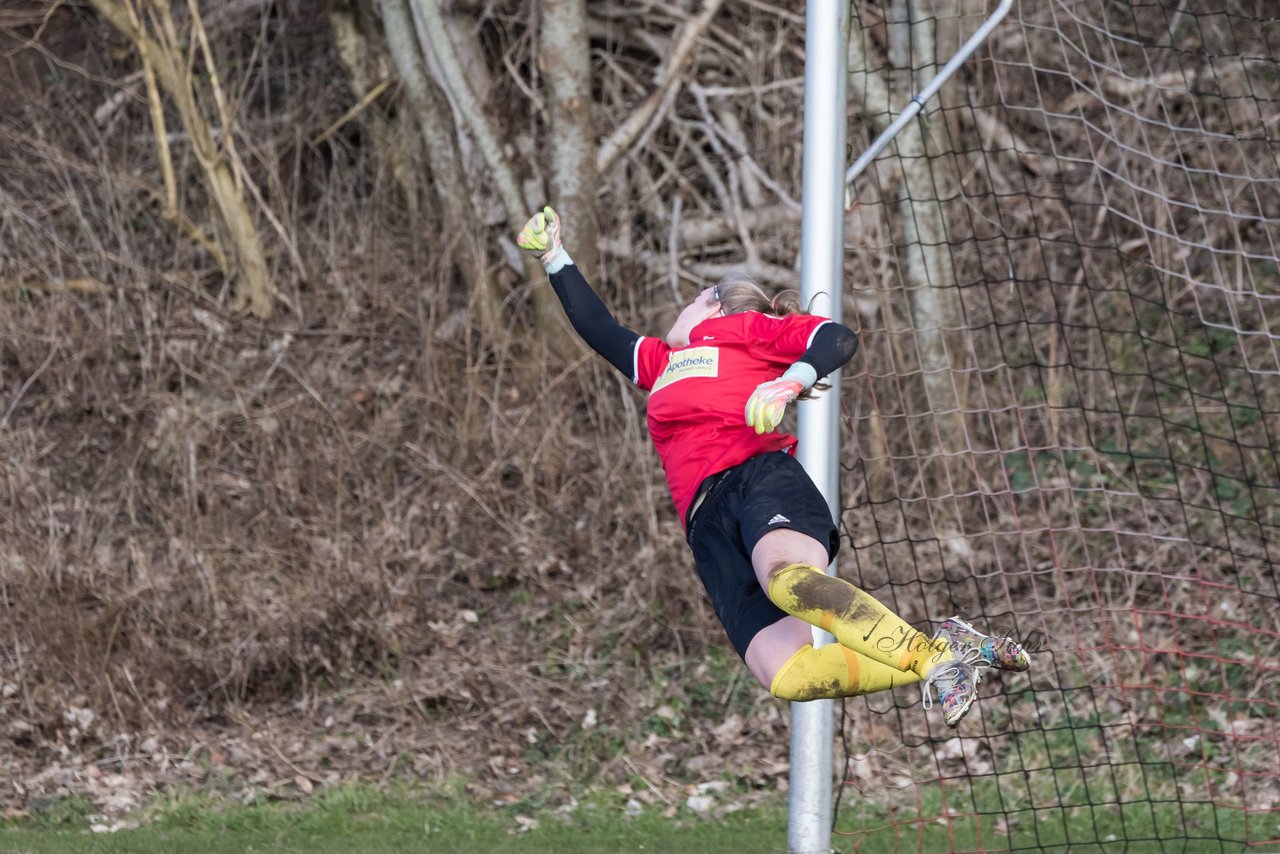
(1067, 422)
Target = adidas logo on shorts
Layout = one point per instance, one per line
(779, 519)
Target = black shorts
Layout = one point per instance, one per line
(768, 491)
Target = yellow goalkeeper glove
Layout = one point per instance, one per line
(541, 235)
(768, 402)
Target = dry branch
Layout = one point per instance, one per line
(157, 121)
(667, 78)
(356, 109)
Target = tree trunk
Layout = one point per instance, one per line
(363, 53)
(929, 278)
(565, 58)
(439, 138)
(436, 40)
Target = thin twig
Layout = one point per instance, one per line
(48, 360)
(673, 242)
(369, 98)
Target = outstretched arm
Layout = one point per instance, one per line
(588, 315)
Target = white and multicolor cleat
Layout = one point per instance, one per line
(956, 682)
(1000, 653)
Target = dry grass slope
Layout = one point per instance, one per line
(391, 534)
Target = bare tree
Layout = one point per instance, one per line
(171, 60)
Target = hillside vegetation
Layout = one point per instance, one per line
(305, 479)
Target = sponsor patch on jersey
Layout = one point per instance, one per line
(692, 362)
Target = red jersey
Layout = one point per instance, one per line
(698, 394)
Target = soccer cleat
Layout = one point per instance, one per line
(1000, 653)
(956, 682)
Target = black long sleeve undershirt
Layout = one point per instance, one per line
(832, 346)
(593, 321)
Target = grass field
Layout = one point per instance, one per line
(405, 830)
(351, 819)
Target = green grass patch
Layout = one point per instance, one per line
(358, 819)
(977, 815)
(1058, 810)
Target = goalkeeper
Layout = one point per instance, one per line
(761, 532)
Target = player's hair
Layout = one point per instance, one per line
(739, 292)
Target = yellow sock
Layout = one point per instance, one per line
(856, 618)
(834, 671)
